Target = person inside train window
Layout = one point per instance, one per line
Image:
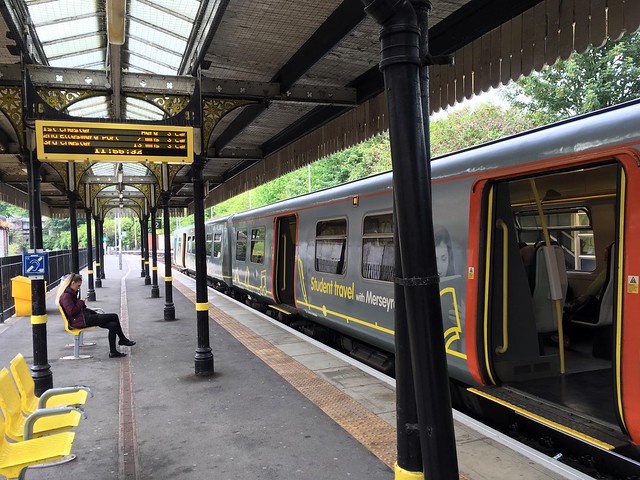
(586, 307)
(444, 251)
(79, 316)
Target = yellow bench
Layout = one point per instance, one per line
(41, 422)
(53, 397)
(16, 457)
(78, 337)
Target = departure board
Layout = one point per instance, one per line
(113, 142)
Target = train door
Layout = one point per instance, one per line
(550, 314)
(181, 248)
(284, 264)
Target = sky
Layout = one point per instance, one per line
(492, 96)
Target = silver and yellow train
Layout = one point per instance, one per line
(537, 240)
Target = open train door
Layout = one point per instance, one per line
(284, 263)
(550, 234)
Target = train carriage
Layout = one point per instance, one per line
(525, 227)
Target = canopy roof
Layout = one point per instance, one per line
(282, 83)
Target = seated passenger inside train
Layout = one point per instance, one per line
(586, 307)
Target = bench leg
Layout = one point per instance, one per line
(82, 344)
(76, 349)
(69, 458)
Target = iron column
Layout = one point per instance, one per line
(41, 370)
(98, 230)
(204, 355)
(145, 228)
(401, 64)
(169, 308)
(75, 256)
(91, 293)
(155, 291)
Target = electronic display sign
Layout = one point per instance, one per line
(112, 142)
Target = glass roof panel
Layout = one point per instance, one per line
(141, 110)
(149, 66)
(166, 54)
(165, 20)
(158, 37)
(53, 11)
(187, 8)
(94, 107)
(57, 31)
(104, 169)
(78, 61)
(58, 49)
(73, 35)
(134, 169)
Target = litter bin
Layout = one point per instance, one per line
(21, 293)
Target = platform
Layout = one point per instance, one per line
(277, 407)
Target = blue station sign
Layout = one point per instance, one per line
(35, 264)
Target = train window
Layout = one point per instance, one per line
(217, 245)
(241, 245)
(568, 227)
(209, 244)
(331, 244)
(378, 247)
(191, 244)
(257, 244)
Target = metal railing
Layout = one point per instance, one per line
(59, 266)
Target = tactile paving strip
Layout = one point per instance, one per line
(374, 433)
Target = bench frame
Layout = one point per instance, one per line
(78, 334)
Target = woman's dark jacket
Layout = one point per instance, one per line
(73, 307)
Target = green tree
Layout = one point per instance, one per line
(468, 127)
(585, 82)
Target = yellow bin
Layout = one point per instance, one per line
(21, 292)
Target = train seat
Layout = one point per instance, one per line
(550, 285)
(603, 315)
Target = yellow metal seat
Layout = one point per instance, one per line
(78, 337)
(53, 397)
(16, 457)
(40, 422)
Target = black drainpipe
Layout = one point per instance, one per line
(401, 66)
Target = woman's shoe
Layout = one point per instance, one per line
(127, 343)
(117, 354)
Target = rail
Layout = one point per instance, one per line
(505, 287)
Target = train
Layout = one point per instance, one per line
(526, 228)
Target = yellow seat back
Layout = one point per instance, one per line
(54, 397)
(67, 325)
(25, 384)
(10, 405)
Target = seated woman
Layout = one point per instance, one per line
(80, 316)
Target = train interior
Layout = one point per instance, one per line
(552, 283)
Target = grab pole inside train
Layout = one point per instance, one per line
(400, 63)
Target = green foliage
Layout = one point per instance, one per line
(8, 210)
(468, 127)
(366, 159)
(599, 78)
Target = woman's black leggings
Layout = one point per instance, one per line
(110, 321)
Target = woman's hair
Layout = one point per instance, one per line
(72, 277)
(441, 235)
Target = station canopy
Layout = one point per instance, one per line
(282, 83)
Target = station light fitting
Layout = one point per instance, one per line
(115, 21)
